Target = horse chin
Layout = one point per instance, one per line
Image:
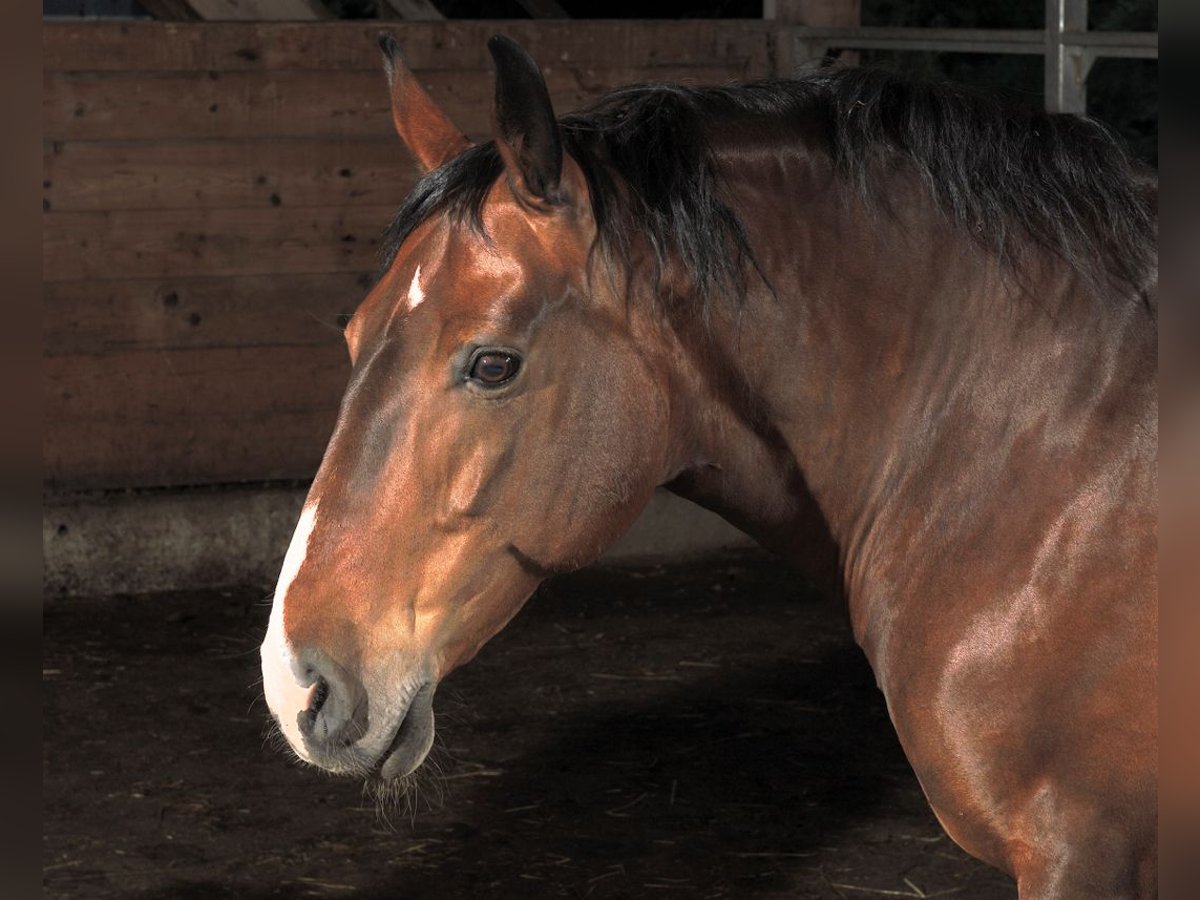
(413, 739)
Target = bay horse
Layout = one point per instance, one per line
(921, 318)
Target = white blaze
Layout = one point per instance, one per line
(282, 683)
(296, 553)
(416, 296)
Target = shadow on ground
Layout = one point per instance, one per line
(699, 731)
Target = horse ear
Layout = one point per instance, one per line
(526, 131)
(425, 129)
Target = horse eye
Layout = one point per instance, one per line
(493, 368)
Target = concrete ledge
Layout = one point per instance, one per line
(158, 541)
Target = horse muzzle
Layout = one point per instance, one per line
(413, 740)
(333, 721)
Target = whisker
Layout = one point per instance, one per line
(325, 323)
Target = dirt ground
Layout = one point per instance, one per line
(702, 730)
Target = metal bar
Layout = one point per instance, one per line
(1146, 39)
(1066, 65)
(887, 33)
(1142, 44)
(1066, 45)
(808, 36)
(1006, 47)
(1121, 52)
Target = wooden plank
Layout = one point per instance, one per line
(115, 175)
(157, 243)
(201, 237)
(744, 45)
(411, 10)
(182, 105)
(108, 316)
(260, 10)
(222, 383)
(180, 452)
(290, 104)
(169, 10)
(189, 416)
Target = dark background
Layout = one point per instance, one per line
(1123, 93)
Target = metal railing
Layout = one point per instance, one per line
(1066, 44)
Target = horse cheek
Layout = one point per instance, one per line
(633, 441)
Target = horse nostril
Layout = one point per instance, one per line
(320, 693)
(317, 695)
(333, 709)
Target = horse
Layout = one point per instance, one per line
(907, 313)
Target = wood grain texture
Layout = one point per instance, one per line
(180, 105)
(175, 417)
(96, 317)
(180, 242)
(299, 104)
(260, 10)
(214, 196)
(744, 45)
(81, 176)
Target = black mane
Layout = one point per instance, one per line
(1008, 176)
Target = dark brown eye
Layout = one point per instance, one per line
(492, 368)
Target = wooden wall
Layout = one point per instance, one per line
(213, 197)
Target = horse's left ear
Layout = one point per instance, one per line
(425, 129)
(526, 131)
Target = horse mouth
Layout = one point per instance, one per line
(413, 739)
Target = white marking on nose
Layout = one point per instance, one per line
(297, 551)
(283, 683)
(416, 296)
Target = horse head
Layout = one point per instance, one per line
(506, 418)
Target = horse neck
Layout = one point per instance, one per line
(889, 356)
